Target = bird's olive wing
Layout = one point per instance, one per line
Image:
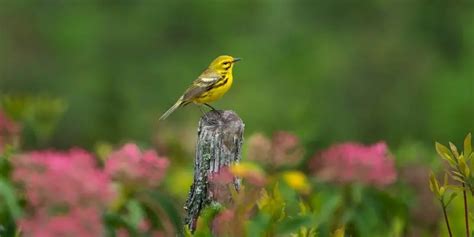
(202, 84)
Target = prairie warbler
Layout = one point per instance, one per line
(210, 86)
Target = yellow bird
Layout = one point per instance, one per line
(210, 86)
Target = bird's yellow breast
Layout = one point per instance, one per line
(220, 88)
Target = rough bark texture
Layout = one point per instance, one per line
(219, 144)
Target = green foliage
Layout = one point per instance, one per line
(272, 204)
(118, 65)
(440, 191)
(10, 209)
(40, 114)
(204, 225)
(460, 164)
(161, 207)
(143, 212)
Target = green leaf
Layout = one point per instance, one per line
(114, 221)
(463, 167)
(304, 208)
(289, 225)
(444, 152)
(171, 212)
(305, 232)
(458, 179)
(468, 158)
(187, 232)
(456, 173)
(258, 225)
(273, 205)
(434, 186)
(326, 206)
(203, 227)
(451, 197)
(455, 188)
(467, 145)
(135, 213)
(8, 194)
(442, 190)
(155, 199)
(454, 149)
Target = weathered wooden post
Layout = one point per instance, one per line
(219, 145)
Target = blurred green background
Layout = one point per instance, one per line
(327, 70)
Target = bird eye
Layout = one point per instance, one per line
(226, 63)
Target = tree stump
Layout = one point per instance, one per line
(219, 145)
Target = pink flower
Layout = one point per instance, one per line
(220, 185)
(223, 177)
(134, 167)
(224, 223)
(78, 222)
(352, 162)
(283, 149)
(9, 131)
(65, 192)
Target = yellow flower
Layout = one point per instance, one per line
(296, 180)
(250, 172)
(243, 169)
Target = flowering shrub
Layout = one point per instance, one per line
(352, 162)
(73, 193)
(282, 149)
(141, 209)
(65, 191)
(130, 166)
(296, 180)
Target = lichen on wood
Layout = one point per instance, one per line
(219, 145)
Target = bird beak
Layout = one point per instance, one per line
(236, 60)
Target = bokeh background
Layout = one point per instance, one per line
(100, 73)
(329, 71)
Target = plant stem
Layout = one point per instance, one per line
(466, 211)
(446, 219)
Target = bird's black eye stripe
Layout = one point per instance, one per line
(227, 65)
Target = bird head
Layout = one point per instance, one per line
(223, 63)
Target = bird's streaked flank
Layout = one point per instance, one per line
(210, 86)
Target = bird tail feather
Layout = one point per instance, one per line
(172, 109)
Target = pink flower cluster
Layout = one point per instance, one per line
(352, 162)
(131, 166)
(78, 222)
(282, 149)
(65, 191)
(224, 223)
(9, 131)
